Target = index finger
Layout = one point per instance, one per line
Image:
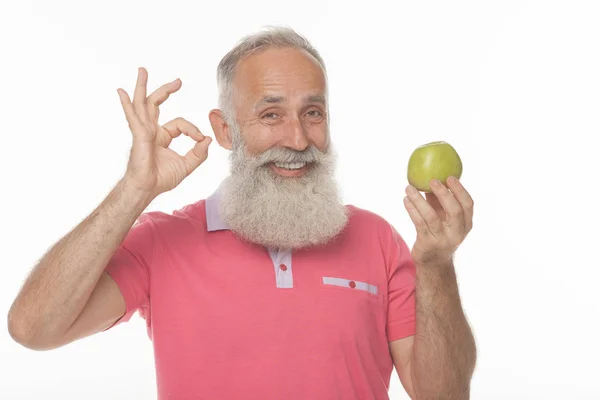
(159, 96)
(178, 126)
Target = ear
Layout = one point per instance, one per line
(220, 128)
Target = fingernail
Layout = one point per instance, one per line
(411, 189)
(452, 179)
(435, 183)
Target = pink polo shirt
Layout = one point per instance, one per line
(232, 320)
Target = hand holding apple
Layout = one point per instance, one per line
(444, 217)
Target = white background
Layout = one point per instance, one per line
(513, 85)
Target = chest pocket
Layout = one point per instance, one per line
(351, 284)
(352, 310)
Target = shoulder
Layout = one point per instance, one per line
(372, 224)
(371, 233)
(361, 218)
(190, 216)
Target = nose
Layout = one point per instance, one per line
(295, 136)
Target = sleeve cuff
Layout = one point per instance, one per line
(401, 330)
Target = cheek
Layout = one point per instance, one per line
(259, 137)
(318, 135)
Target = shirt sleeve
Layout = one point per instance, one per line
(401, 315)
(130, 265)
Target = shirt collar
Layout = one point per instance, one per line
(214, 222)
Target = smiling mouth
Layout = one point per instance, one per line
(290, 169)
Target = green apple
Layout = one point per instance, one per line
(435, 160)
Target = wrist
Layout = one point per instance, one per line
(133, 195)
(437, 279)
(437, 265)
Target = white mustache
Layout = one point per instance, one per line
(285, 155)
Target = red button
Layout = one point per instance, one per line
(352, 284)
(283, 267)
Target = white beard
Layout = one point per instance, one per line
(264, 208)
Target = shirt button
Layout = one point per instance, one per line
(352, 284)
(283, 267)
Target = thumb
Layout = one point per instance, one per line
(197, 154)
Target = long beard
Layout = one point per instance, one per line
(280, 212)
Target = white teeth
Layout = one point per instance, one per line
(290, 165)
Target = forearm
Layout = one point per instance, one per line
(444, 351)
(59, 286)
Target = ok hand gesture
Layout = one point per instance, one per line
(153, 168)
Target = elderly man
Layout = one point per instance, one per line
(271, 288)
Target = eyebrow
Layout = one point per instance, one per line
(317, 98)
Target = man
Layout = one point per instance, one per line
(269, 288)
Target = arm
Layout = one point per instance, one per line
(438, 362)
(444, 354)
(67, 295)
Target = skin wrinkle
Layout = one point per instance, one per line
(261, 206)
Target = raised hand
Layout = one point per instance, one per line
(442, 220)
(152, 167)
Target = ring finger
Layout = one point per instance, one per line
(139, 95)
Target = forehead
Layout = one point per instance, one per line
(282, 71)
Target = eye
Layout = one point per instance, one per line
(270, 115)
(314, 113)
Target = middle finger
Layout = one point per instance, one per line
(159, 96)
(451, 206)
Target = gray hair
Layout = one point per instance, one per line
(270, 36)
